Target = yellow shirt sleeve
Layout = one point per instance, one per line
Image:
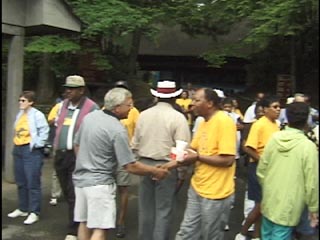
(131, 121)
(53, 112)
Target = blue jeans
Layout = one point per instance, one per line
(204, 218)
(273, 231)
(27, 171)
(304, 225)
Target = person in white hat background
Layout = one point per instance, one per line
(74, 108)
(157, 129)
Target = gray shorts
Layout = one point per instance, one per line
(123, 178)
(96, 205)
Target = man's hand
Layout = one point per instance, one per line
(190, 158)
(314, 219)
(159, 173)
(169, 165)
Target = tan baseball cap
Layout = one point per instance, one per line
(74, 81)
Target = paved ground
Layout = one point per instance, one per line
(53, 219)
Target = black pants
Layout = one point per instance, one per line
(64, 163)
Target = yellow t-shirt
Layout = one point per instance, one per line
(22, 131)
(54, 112)
(214, 137)
(260, 133)
(131, 121)
(184, 102)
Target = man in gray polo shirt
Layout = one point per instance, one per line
(101, 143)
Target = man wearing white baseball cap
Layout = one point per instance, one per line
(156, 131)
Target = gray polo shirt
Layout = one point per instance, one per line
(103, 143)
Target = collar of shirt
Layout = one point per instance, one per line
(110, 113)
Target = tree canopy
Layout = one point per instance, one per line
(112, 29)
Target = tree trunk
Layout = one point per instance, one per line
(293, 63)
(45, 87)
(133, 55)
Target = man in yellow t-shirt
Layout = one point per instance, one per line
(212, 184)
(260, 133)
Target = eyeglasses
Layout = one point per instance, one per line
(128, 105)
(22, 100)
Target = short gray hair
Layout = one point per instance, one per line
(115, 97)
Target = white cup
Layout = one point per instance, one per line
(181, 145)
(177, 154)
(180, 155)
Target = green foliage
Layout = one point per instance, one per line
(112, 17)
(109, 25)
(276, 18)
(99, 60)
(51, 44)
(214, 59)
(267, 20)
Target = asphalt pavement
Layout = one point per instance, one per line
(53, 219)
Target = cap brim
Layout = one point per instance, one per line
(72, 86)
(166, 95)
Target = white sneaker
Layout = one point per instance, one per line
(53, 201)
(17, 213)
(239, 236)
(71, 237)
(31, 219)
(226, 227)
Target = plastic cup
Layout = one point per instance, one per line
(181, 145)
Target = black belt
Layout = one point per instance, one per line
(23, 145)
(64, 150)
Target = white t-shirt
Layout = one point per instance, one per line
(198, 120)
(249, 115)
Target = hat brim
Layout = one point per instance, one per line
(72, 86)
(166, 95)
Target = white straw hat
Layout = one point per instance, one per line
(166, 89)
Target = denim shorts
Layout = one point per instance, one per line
(254, 188)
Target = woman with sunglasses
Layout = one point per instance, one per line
(30, 134)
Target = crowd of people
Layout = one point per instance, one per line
(96, 149)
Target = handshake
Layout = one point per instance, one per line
(186, 157)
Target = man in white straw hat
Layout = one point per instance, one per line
(156, 131)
